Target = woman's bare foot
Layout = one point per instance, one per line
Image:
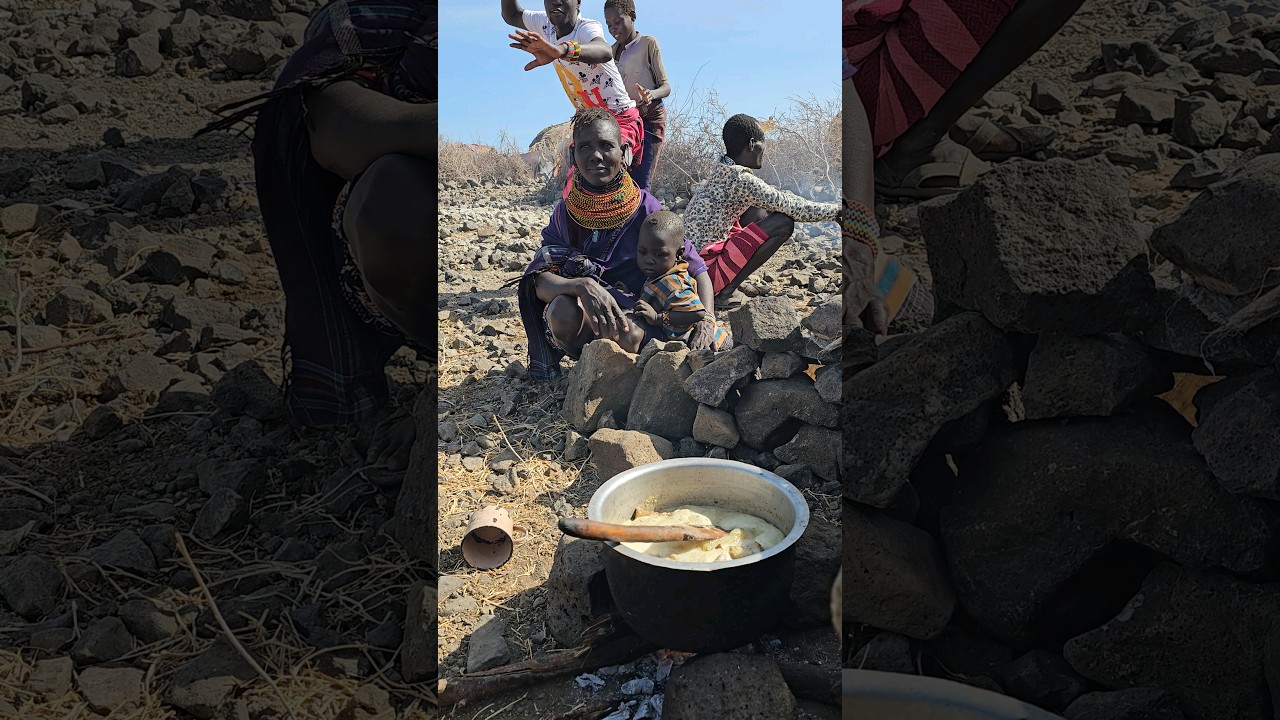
(995, 142)
(726, 301)
(901, 160)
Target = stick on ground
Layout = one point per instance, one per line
(222, 623)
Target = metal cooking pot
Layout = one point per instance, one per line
(701, 607)
(871, 695)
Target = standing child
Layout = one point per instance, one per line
(669, 299)
(640, 62)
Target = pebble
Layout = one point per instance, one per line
(460, 605)
(131, 445)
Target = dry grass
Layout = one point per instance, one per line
(513, 592)
(460, 161)
(291, 684)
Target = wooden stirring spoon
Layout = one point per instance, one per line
(595, 530)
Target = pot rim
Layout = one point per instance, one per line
(918, 691)
(595, 512)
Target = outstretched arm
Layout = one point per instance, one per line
(860, 233)
(351, 126)
(512, 13)
(706, 293)
(597, 51)
(765, 196)
(859, 152)
(545, 52)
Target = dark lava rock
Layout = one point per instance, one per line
(576, 590)
(126, 551)
(30, 586)
(601, 382)
(1200, 636)
(897, 578)
(728, 685)
(766, 407)
(766, 324)
(1041, 247)
(246, 390)
(203, 685)
(224, 512)
(1239, 436)
(1088, 376)
(711, 383)
(658, 406)
(1240, 261)
(893, 410)
(1042, 502)
(1132, 704)
(1044, 680)
(415, 509)
(103, 641)
(818, 557)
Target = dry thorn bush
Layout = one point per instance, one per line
(460, 162)
(802, 153)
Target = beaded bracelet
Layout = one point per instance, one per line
(572, 50)
(858, 224)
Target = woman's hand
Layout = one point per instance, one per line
(645, 312)
(864, 308)
(544, 53)
(603, 314)
(703, 336)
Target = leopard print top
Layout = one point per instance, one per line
(716, 206)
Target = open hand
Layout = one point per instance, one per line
(645, 98)
(603, 314)
(864, 308)
(544, 53)
(645, 312)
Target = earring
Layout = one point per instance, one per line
(627, 155)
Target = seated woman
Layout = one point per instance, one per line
(344, 157)
(585, 277)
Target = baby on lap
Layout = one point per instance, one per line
(669, 300)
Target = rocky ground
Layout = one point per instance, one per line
(140, 327)
(1070, 538)
(540, 450)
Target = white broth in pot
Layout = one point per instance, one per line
(748, 534)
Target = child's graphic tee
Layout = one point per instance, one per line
(586, 85)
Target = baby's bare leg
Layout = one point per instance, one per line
(633, 339)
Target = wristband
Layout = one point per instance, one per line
(858, 224)
(572, 50)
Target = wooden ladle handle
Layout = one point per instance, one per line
(594, 530)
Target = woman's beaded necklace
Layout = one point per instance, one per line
(605, 208)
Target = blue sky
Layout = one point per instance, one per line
(755, 54)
